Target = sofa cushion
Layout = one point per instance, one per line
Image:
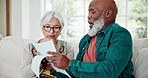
(140, 57)
(1, 36)
(138, 44)
(141, 63)
(15, 58)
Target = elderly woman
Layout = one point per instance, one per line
(52, 24)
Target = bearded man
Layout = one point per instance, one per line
(106, 51)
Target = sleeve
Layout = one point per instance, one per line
(70, 51)
(26, 62)
(117, 57)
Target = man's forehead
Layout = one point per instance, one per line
(93, 4)
(100, 3)
(103, 0)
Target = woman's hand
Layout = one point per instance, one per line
(46, 76)
(45, 68)
(45, 64)
(43, 40)
(34, 52)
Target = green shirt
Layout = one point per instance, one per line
(113, 55)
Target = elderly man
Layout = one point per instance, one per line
(106, 51)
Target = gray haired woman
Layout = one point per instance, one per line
(52, 24)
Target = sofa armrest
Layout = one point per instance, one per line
(138, 44)
(141, 63)
(15, 58)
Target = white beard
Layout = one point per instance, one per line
(97, 26)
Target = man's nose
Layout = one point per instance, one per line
(89, 16)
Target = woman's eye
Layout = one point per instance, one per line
(57, 27)
(47, 26)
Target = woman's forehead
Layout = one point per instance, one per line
(54, 21)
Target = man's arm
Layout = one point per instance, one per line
(116, 59)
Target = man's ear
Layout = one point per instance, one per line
(108, 13)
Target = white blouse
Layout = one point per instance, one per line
(65, 48)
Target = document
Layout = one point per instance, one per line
(42, 49)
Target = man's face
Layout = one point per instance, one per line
(96, 27)
(95, 12)
(95, 17)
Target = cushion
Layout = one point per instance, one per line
(138, 44)
(141, 64)
(1, 36)
(15, 58)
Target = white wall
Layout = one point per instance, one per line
(35, 15)
(3, 17)
(25, 18)
(15, 17)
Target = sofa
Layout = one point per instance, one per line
(15, 57)
(140, 58)
(1, 36)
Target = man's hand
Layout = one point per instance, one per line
(59, 60)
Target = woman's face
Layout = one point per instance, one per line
(52, 29)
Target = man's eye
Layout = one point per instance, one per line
(93, 12)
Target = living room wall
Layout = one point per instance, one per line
(3, 17)
(24, 18)
(25, 15)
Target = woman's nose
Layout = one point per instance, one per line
(51, 31)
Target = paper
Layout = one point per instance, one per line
(42, 49)
(36, 64)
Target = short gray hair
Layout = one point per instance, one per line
(48, 15)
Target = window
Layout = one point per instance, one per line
(75, 16)
(133, 15)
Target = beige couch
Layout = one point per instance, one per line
(15, 58)
(140, 58)
(1, 36)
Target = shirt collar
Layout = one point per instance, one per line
(105, 30)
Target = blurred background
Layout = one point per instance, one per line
(21, 18)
